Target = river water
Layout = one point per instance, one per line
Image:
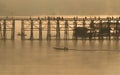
(95, 57)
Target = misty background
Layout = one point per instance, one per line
(59, 7)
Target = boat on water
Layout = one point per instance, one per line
(63, 48)
(60, 48)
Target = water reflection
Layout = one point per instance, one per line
(39, 57)
(77, 44)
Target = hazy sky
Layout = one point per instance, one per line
(59, 7)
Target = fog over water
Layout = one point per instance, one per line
(59, 7)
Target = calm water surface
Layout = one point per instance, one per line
(40, 58)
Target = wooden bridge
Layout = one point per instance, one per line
(59, 28)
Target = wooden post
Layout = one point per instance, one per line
(66, 30)
(109, 22)
(40, 29)
(4, 30)
(58, 29)
(75, 26)
(84, 23)
(92, 30)
(22, 30)
(117, 29)
(31, 31)
(13, 30)
(100, 29)
(0, 31)
(48, 29)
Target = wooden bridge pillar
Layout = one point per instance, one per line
(109, 27)
(4, 30)
(13, 30)
(0, 31)
(40, 29)
(117, 29)
(66, 30)
(58, 29)
(84, 23)
(31, 31)
(92, 31)
(100, 29)
(75, 26)
(92, 24)
(22, 30)
(48, 29)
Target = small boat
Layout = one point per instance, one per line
(59, 48)
(64, 48)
